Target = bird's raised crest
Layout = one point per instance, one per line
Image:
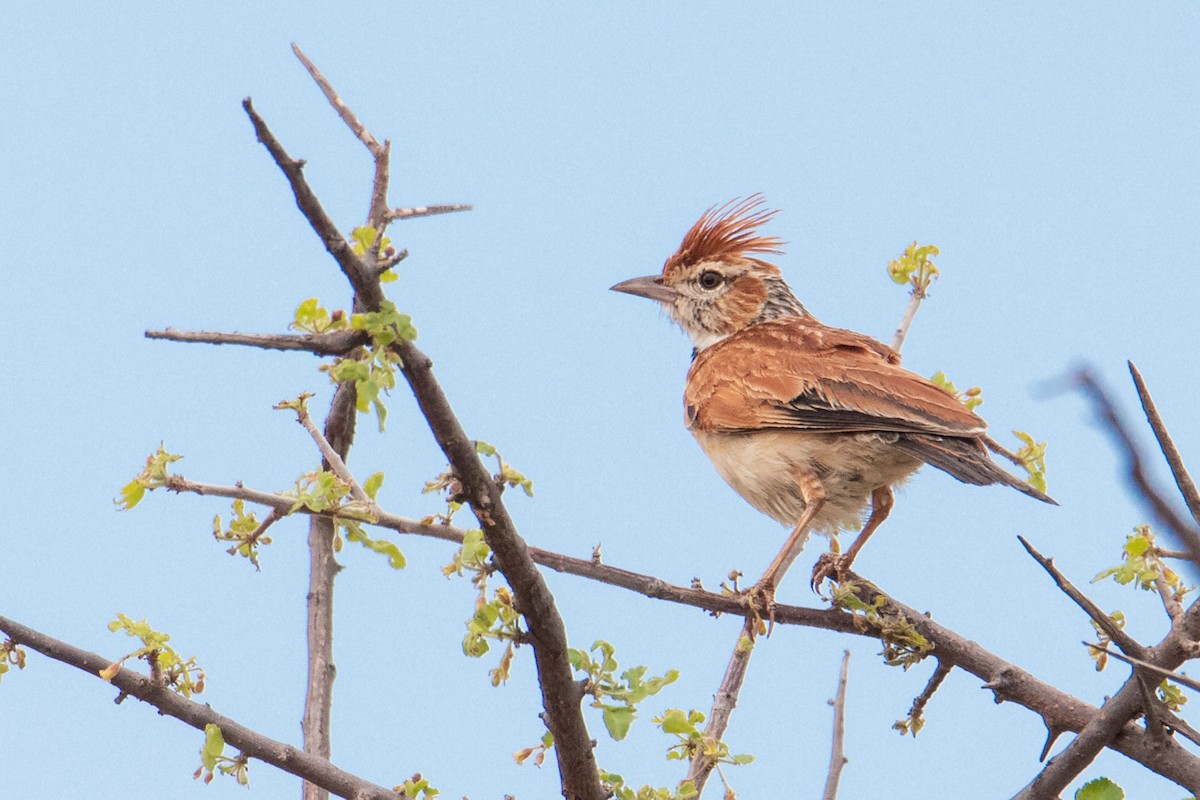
(725, 232)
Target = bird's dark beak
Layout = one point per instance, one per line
(650, 287)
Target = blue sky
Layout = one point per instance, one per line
(1052, 154)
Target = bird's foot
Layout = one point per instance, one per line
(761, 597)
(830, 565)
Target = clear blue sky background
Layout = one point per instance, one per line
(1052, 154)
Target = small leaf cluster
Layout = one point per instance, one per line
(372, 368)
(903, 644)
(914, 267)
(616, 785)
(1100, 789)
(362, 240)
(538, 751)
(213, 758)
(494, 618)
(11, 655)
(153, 476)
(507, 474)
(1104, 640)
(243, 532)
(693, 741)
(617, 698)
(416, 786)
(312, 317)
(1142, 565)
(1033, 458)
(971, 398)
(912, 724)
(445, 482)
(167, 667)
(1171, 695)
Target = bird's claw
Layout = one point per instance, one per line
(762, 602)
(829, 565)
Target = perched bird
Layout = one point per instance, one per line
(806, 422)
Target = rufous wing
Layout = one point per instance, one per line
(797, 373)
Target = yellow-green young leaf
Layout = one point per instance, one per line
(371, 487)
(483, 448)
(214, 746)
(131, 495)
(618, 719)
(388, 276)
(675, 721)
(1100, 789)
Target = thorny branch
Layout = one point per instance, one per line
(1187, 487)
(560, 696)
(725, 700)
(311, 768)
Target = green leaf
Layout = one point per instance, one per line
(483, 448)
(618, 719)
(1100, 789)
(131, 494)
(214, 746)
(371, 487)
(675, 721)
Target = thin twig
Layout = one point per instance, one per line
(917, 709)
(310, 768)
(427, 211)
(332, 458)
(1188, 535)
(342, 109)
(1182, 680)
(1106, 623)
(837, 753)
(1183, 479)
(322, 344)
(725, 701)
(914, 302)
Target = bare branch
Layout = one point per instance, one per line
(917, 709)
(284, 756)
(1163, 511)
(427, 211)
(1182, 680)
(914, 302)
(367, 291)
(1106, 623)
(837, 754)
(342, 109)
(725, 700)
(332, 457)
(322, 344)
(1183, 479)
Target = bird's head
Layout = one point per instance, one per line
(714, 285)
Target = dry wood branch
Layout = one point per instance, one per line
(1182, 680)
(290, 759)
(427, 211)
(725, 700)
(837, 754)
(917, 709)
(342, 109)
(560, 696)
(1183, 479)
(1163, 511)
(914, 302)
(322, 344)
(367, 291)
(1059, 710)
(1106, 623)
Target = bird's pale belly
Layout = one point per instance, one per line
(763, 466)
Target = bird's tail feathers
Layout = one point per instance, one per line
(967, 460)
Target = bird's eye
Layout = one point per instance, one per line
(710, 279)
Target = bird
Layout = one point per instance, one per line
(807, 422)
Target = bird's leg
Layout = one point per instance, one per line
(813, 492)
(835, 566)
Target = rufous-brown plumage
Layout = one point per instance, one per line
(807, 422)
